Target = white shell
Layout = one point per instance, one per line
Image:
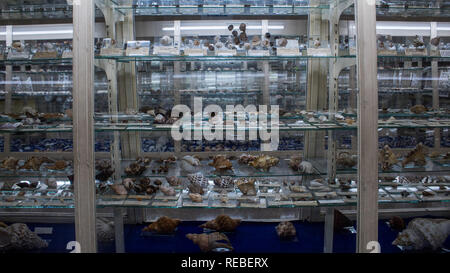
(323, 118)
(105, 230)
(306, 167)
(315, 183)
(191, 160)
(424, 233)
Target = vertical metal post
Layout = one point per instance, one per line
(328, 230)
(435, 85)
(367, 208)
(83, 124)
(8, 89)
(118, 230)
(266, 68)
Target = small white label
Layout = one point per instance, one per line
(143, 51)
(43, 230)
(320, 52)
(226, 52)
(166, 50)
(258, 53)
(195, 52)
(288, 51)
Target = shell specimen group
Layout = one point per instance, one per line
(416, 156)
(208, 242)
(422, 233)
(34, 163)
(221, 163)
(18, 237)
(135, 169)
(246, 186)
(387, 158)
(105, 171)
(222, 223)
(286, 230)
(264, 162)
(168, 191)
(163, 225)
(174, 181)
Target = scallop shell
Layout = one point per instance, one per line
(422, 233)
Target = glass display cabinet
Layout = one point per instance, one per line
(262, 111)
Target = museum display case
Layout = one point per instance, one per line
(205, 109)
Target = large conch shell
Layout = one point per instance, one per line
(422, 233)
(163, 225)
(264, 162)
(222, 223)
(387, 158)
(221, 163)
(417, 156)
(208, 242)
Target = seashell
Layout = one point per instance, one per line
(297, 189)
(190, 161)
(196, 197)
(18, 237)
(424, 233)
(222, 223)
(243, 27)
(256, 40)
(51, 183)
(247, 46)
(416, 156)
(267, 35)
(195, 188)
(435, 41)
(286, 230)
(224, 182)
(198, 179)
(265, 43)
(317, 43)
(264, 162)
(10, 163)
(418, 109)
(428, 193)
(435, 154)
(246, 158)
(282, 42)
(219, 45)
(119, 189)
(163, 225)
(221, 163)
(210, 241)
(58, 165)
(151, 189)
(30, 112)
(128, 183)
(295, 161)
(173, 181)
(105, 230)
(306, 167)
(230, 27)
(387, 158)
(243, 37)
(211, 48)
(316, 183)
(397, 223)
(105, 170)
(135, 169)
(165, 40)
(168, 191)
(246, 186)
(346, 160)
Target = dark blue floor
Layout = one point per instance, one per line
(248, 238)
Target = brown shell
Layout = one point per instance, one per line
(119, 189)
(295, 162)
(286, 230)
(135, 169)
(397, 223)
(208, 242)
(345, 160)
(163, 225)
(246, 158)
(264, 162)
(387, 158)
(59, 165)
(418, 109)
(222, 223)
(10, 163)
(168, 191)
(246, 186)
(195, 197)
(221, 163)
(417, 156)
(173, 181)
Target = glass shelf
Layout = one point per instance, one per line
(160, 58)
